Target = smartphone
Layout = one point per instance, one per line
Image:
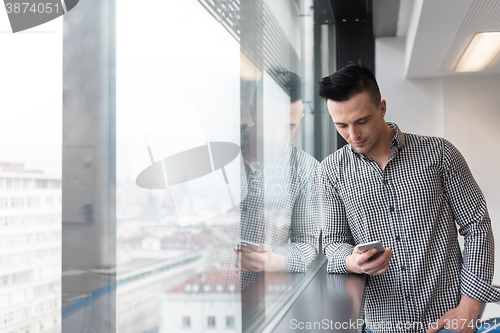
(253, 246)
(372, 245)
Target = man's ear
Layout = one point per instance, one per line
(383, 107)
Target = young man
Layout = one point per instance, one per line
(406, 191)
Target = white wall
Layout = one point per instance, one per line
(415, 105)
(464, 109)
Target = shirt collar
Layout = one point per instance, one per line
(397, 142)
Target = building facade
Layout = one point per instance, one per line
(30, 250)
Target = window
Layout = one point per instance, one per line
(4, 280)
(42, 183)
(146, 214)
(230, 321)
(211, 321)
(186, 322)
(4, 203)
(55, 184)
(18, 183)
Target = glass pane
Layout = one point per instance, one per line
(216, 205)
(30, 179)
(178, 169)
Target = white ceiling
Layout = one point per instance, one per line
(439, 31)
(385, 17)
(404, 16)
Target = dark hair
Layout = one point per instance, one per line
(289, 80)
(348, 81)
(294, 85)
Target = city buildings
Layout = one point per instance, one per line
(30, 250)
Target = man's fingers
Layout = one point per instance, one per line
(372, 267)
(379, 265)
(252, 257)
(246, 249)
(361, 259)
(244, 265)
(265, 248)
(356, 250)
(376, 270)
(368, 254)
(247, 267)
(252, 262)
(247, 264)
(387, 254)
(383, 259)
(386, 257)
(381, 271)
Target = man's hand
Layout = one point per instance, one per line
(263, 260)
(461, 319)
(357, 262)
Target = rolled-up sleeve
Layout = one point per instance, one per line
(471, 214)
(305, 227)
(338, 242)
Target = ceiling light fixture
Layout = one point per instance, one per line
(483, 48)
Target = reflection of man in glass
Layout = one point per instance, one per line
(280, 211)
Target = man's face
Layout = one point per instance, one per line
(281, 134)
(358, 120)
(296, 114)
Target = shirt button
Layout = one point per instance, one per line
(398, 238)
(403, 268)
(391, 208)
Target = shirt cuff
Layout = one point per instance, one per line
(476, 288)
(336, 254)
(298, 256)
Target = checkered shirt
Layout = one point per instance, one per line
(411, 207)
(282, 207)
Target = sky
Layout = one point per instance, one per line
(31, 95)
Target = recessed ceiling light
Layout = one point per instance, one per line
(483, 48)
